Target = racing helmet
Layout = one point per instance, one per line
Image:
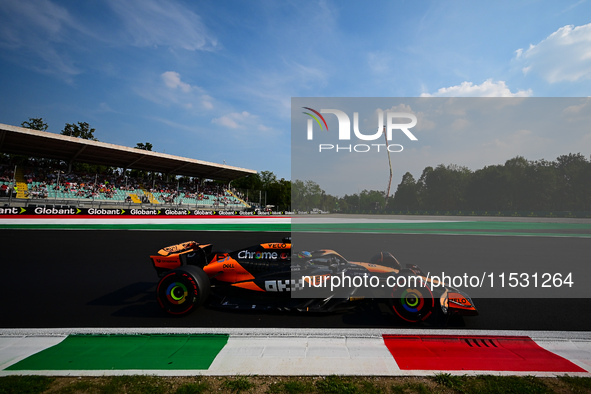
(304, 254)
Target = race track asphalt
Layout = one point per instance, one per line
(103, 278)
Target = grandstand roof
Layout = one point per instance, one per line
(21, 141)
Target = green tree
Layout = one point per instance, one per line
(487, 189)
(350, 203)
(267, 178)
(314, 195)
(371, 201)
(573, 189)
(423, 189)
(249, 182)
(144, 146)
(35, 124)
(541, 186)
(406, 197)
(80, 130)
(443, 188)
(517, 186)
(307, 195)
(278, 192)
(298, 191)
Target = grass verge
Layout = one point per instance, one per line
(440, 383)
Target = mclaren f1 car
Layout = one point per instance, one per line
(268, 276)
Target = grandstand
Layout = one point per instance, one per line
(39, 181)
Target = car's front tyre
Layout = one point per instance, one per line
(412, 304)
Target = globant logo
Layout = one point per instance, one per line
(344, 133)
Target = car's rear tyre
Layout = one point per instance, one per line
(412, 304)
(182, 290)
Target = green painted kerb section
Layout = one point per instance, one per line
(465, 228)
(378, 227)
(125, 352)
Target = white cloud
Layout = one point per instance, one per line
(577, 113)
(35, 32)
(575, 109)
(247, 123)
(51, 38)
(487, 89)
(234, 120)
(274, 85)
(564, 55)
(206, 101)
(425, 124)
(173, 80)
(163, 23)
(460, 124)
(43, 17)
(104, 107)
(170, 89)
(379, 62)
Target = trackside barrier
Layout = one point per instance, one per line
(60, 210)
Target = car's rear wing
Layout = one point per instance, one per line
(185, 253)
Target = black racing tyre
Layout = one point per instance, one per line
(182, 290)
(413, 304)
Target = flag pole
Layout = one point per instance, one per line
(390, 163)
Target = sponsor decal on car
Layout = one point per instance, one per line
(245, 254)
(284, 285)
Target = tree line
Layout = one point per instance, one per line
(519, 185)
(277, 192)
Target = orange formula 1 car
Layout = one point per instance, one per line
(267, 276)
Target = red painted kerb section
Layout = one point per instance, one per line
(474, 353)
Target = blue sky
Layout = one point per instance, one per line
(213, 80)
